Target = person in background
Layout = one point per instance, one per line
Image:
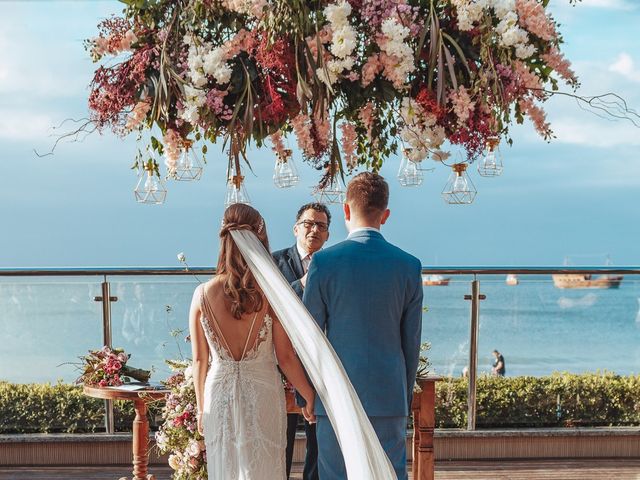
(311, 230)
(498, 369)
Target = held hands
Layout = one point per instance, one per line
(303, 280)
(308, 409)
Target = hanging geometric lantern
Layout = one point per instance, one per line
(285, 174)
(410, 174)
(189, 166)
(459, 188)
(150, 188)
(491, 163)
(236, 191)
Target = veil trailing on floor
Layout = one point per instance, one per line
(361, 449)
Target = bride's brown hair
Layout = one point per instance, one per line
(240, 287)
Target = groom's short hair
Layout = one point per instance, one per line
(368, 193)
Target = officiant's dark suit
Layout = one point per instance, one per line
(311, 231)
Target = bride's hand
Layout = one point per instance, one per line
(308, 410)
(199, 419)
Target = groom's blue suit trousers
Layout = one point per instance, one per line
(391, 432)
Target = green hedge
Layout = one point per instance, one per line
(601, 399)
(60, 408)
(559, 400)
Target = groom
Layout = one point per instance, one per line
(366, 294)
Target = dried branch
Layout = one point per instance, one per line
(86, 129)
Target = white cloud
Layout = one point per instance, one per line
(595, 133)
(612, 4)
(18, 125)
(625, 66)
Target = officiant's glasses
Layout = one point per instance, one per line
(308, 224)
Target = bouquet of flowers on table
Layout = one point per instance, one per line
(178, 436)
(108, 368)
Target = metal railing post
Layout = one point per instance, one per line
(475, 298)
(106, 300)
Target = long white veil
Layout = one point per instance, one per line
(363, 455)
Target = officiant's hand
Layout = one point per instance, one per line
(308, 411)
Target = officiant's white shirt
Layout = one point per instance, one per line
(363, 229)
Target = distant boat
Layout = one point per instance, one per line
(576, 280)
(580, 280)
(435, 280)
(512, 279)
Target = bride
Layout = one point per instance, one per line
(241, 406)
(241, 321)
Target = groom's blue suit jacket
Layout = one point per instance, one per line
(366, 294)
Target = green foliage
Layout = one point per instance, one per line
(60, 408)
(559, 400)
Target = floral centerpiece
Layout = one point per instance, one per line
(178, 436)
(351, 80)
(108, 368)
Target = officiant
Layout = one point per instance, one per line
(311, 230)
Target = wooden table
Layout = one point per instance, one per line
(424, 422)
(140, 400)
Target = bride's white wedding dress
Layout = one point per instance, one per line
(244, 417)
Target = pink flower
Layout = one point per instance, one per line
(555, 59)
(323, 130)
(172, 143)
(301, 124)
(349, 138)
(371, 69)
(278, 144)
(461, 103)
(531, 15)
(366, 117)
(138, 114)
(527, 80)
(537, 116)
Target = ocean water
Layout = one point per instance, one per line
(46, 323)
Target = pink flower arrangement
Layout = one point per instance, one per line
(352, 63)
(178, 435)
(107, 368)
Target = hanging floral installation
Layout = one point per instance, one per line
(352, 82)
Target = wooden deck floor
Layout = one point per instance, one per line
(479, 470)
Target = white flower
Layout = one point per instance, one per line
(337, 13)
(524, 51)
(513, 37)
(509, 21)
(503, 7)
(394, 30)
(190, 114)
(198, 78)
(188, 372)
(327, 76)
(181, 257)
(343, 41)
(174, 461)
(193, 449)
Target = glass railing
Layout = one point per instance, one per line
(49, 317)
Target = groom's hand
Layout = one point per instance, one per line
(308, 410)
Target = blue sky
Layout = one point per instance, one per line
(577, 195)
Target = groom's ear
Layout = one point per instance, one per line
(385, 216)
(347, 211)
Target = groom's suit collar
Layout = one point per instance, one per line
(365, 232)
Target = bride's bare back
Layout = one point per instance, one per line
(237, 336)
